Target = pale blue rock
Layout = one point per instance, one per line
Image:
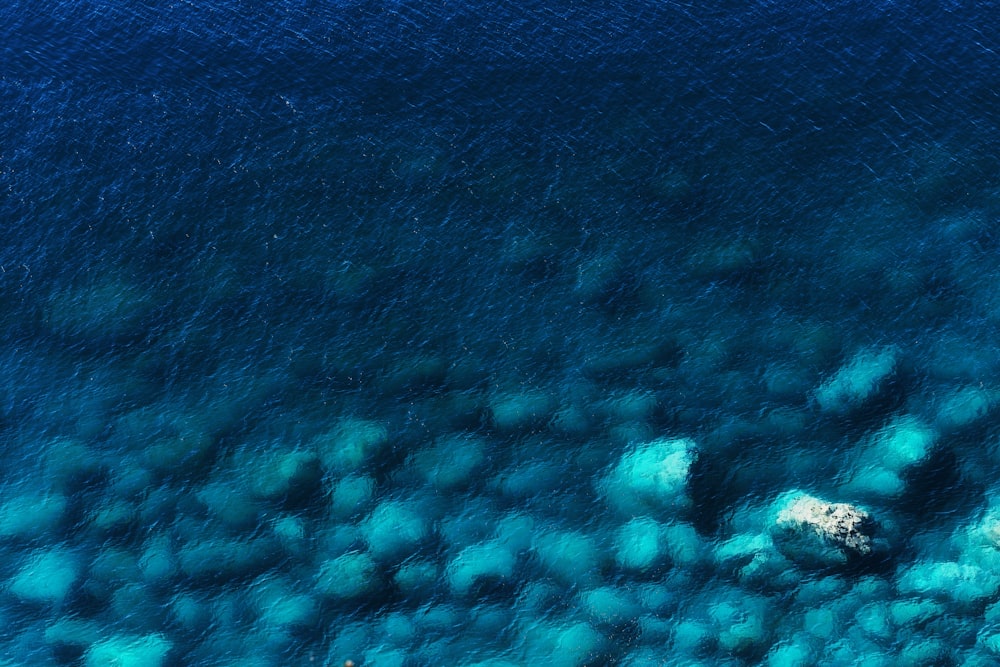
(514, 411)
(47, 577)
(111, 567)
(112, 517)
(991, 642)
(183, 443)
(769, 570)
(903, 442)
(488, 561)
(528, 480)
(787, 381)
(397, 629)
(964, 407)
(282, 605)
(747, 547)
(349, 445)
(351, 494)
(281, 475)
(796, 652)
(133, 599)
(857, 382)
(685, 547)
(655, 630)
(349, 576)
(914, 612)
(69, 463)
(571, 557)
(571, 420)
(416, 577)
(227, 500)
(451, 462)
(439, 618)
(639, 544)
(651, 478)
(32, 515)
(609, 606)
(395, 529)
(978, 543)
(874, 619)
(963, 584)
(820, 623)
(190, 611)
(821, 591)
(563, 644)
(879, 467)
(515, 531)
(692, 637)
(924, 651)
(158, 562)
(129, 651)
(489, 620)
(873, 482)
(292, 533)
(635, 405)
(73, 632)
(742, 623)
(474, 523)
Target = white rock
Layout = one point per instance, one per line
(807, 529)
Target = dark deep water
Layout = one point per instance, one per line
(494, 334)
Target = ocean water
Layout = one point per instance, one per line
(464, 333)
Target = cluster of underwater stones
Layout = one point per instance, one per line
(434, 554)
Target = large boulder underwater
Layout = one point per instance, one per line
(811, 531)
(776, 544)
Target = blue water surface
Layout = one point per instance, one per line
(469, 333)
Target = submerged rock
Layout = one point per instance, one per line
(809, 530)
(884, 457)
(651, 479)
(859, 381)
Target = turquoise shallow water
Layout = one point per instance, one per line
(487, 334)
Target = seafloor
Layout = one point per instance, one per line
(465, 334)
